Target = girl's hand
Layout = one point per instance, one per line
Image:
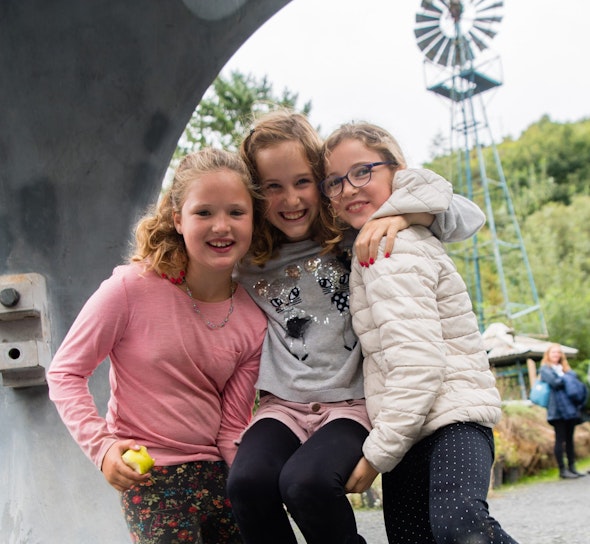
(116, 471)
(361, 478)
(367, 242)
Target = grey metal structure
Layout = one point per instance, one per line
(93, 98)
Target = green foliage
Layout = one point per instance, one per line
(223, 115)
(547, 171)
(550, 162)
(557, 238)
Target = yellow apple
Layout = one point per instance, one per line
(139, 460)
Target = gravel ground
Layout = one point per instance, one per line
(544, 513)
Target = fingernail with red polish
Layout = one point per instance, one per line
(371, 261)
(387, 255)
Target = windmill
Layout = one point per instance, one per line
(454, 36)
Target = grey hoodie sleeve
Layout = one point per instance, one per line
(460, 222)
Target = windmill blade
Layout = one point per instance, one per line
(426, 18)
(445, 53)
(426, 37)
(480, 43)
(429, 43)
(426, 43)
(496, 19)
(486, 31)
(428, 5)
(431, 53)
(496, 5)
(424, 30)
(449, 36)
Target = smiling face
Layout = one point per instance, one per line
(216, 221)
(356, 205)
(554, 355)
(289, 189)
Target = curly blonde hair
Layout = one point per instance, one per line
(270, 129)
(157, 243)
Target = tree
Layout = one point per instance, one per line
(223, 115)
(548, 173)
(558, 241)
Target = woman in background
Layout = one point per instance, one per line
(564, 411)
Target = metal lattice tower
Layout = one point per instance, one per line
(454, 36)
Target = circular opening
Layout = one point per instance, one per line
(14, 353)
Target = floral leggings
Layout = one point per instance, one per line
(182, 503)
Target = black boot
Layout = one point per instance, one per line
(574, 471)
(566, 474)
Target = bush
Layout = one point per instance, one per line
(524, 438)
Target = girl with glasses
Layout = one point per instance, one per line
(430, 393)
(307, 434)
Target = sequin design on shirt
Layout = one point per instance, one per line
(297, 304)
(284, 295)
(333, 276)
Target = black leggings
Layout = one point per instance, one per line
(564, 434)
(273, 468)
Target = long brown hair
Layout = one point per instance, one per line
(273, 128)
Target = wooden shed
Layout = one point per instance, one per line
(514, 359)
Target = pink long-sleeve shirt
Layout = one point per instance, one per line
(181, 389)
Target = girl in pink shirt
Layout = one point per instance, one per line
(184, 345)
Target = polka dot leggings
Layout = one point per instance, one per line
(437, 494)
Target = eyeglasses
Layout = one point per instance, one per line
(358, 176)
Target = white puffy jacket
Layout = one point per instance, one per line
(424, 361)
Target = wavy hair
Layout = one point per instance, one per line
(271, 129)
(157, 243)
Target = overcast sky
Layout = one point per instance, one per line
(358, 59)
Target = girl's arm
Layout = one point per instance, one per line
(87, 343)
(236, 410)
(95, 330)
(461, 221)
(397, 320)
(238, 400)
(419, 197)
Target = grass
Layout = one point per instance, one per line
(547, 475)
